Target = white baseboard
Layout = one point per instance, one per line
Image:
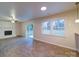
(58, 45)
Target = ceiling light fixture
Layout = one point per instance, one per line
(12, 20)
(43, 8)
(77, 20)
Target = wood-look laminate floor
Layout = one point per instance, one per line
(22, 47)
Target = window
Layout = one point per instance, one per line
(58, 27)
(55, 27)
(46, 27)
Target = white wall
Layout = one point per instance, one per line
(68, 41)
(19, 28)
(6, 25)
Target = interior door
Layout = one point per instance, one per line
(30, 31)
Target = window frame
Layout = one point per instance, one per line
(51, 30)
(42, 27)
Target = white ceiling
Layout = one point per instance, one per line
(29, 10)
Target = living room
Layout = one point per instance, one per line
(39, 29)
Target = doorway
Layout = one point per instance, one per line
(30, 31)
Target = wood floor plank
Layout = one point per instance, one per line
(22, 47)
